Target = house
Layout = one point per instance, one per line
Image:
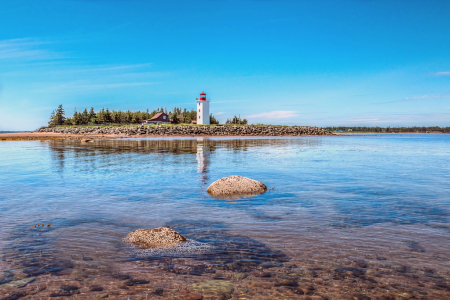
(157, 119)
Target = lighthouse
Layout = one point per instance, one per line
(202, 109)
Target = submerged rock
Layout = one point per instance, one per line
(236, 186)
(156, 237)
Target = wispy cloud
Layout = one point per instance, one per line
(416, 98)
(402, 119)
(446, 73)
(25, 48)
(78, 86)
(219, 113)
(293, 105)
(438, 96)
(277, 114)
(361, 95)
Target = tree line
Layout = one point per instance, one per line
(389, 129)
(236, 120)
(105, 116)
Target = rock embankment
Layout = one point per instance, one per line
(192, 130)
(236, 186)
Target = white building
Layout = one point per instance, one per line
(202, 110)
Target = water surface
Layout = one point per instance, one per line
(364, 217)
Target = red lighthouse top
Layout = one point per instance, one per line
(202, 96)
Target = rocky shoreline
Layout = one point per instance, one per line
(191, 130)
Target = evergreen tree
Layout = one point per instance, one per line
(60, 116)
(213, 120)
(193, 115)
(175, 118)
(85, 117)
(92, 116)
(52, 121)
(107, 116)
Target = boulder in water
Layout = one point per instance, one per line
(156, 237)
(236, 186)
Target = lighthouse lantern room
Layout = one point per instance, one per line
(202, 110)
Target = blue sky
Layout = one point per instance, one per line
(340, 62)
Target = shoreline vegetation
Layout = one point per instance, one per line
(115, 124)
(412, 129)
(105, 116)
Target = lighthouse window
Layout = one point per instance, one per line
(199, 110)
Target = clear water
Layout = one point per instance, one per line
(357, 216)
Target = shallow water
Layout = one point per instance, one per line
(345, 217)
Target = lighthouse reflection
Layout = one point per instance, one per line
(203, 159)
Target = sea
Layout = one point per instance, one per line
(344, 217)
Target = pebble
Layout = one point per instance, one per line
(360, 297)
(135, 281)
(240, 276)
(214, 286)
(287, 282)
(297, 291)
(63, 293)
(159, 291)
(101, 296)
(95, 288)
(186, 295)
(18, 283)
(69, 288)
(261, 274)
(121, 276)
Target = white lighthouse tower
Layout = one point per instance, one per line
(202, 110)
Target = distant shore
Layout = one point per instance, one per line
(48, 136)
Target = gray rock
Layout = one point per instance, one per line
(236, 186)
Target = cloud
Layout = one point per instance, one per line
(77, 86)
(219, 113)
(415, 98)
(438, 96)
(277, 114)
(446, 73)
(25, 48)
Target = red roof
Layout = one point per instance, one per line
(203, 93)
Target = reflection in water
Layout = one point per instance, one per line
(203, 154)
(348, 218)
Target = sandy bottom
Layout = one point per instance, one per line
(315, 266)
